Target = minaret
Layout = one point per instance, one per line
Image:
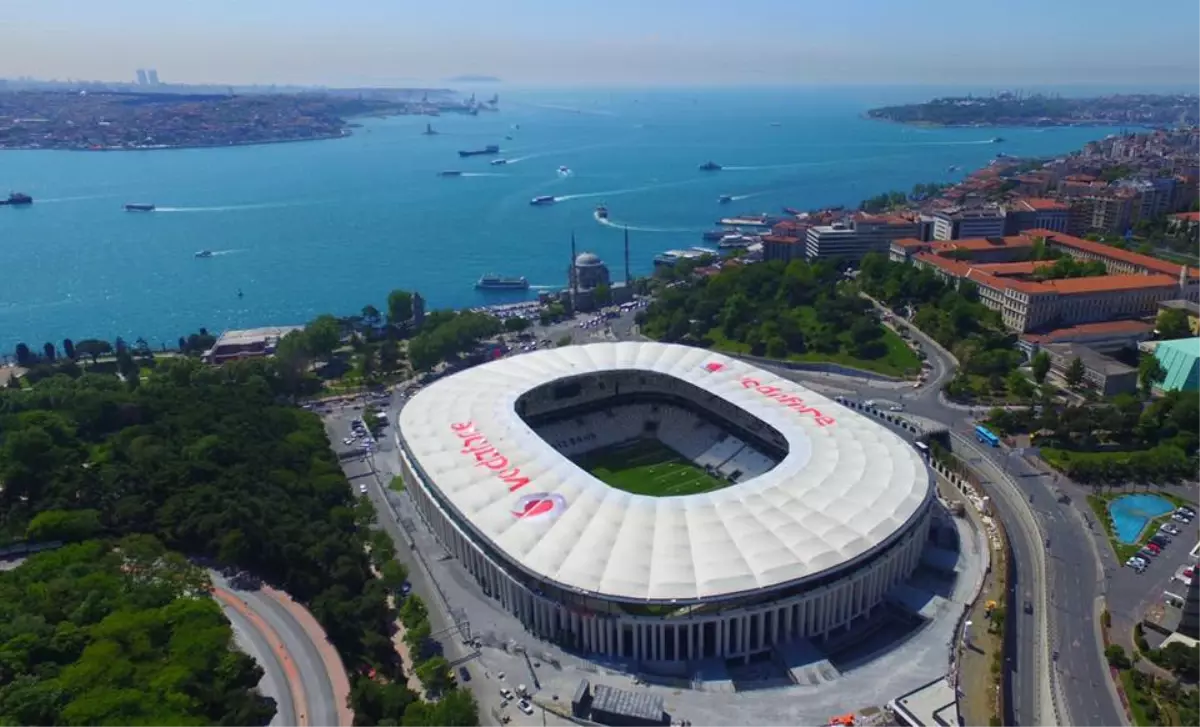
(1189, 622)
(572, 273)
(626, 258)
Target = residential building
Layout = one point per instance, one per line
(783, 247)
(1028, 213)
(1184, 223)
(1106, 337)
(152, 76)
(1106, 376)
(1113, 212)
(250, 343)
(141, 77)
(968, 222)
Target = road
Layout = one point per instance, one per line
(1075, 579)
(300, 664)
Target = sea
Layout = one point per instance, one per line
(300, 229)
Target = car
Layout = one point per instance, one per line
(1180, 518)
(405, 588)
(1168, 528)
(1186, 510)
(896, 407)
(348, 441)
(869, 402)
(362, 489)
(506, 693)
(525, 707)
(1154, 546)
(463, 674)
(1160, 540)
(1147, 553)
(1028, 606)
(1133, 562)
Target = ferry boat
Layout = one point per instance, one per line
(450, 173)
(205, 253)
(710, 166)
(997, 139)
(545, 199)
(139, 207)
(725, 199)
(761, 221)
(489, 149)
(492, 281)
(17, 199)
(602, 212)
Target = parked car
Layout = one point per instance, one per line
(1147, 553)
(525, 707)
(1160, 540)
(506, 693)
(1155, 547)
(362, 489)
(463, 674)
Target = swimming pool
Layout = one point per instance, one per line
(1130, 513)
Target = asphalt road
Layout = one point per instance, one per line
(318, 704)
(275, 682)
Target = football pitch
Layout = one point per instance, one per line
(648, 467)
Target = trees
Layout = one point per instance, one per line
(1041, 366)
(447, 334)
(323, 334)
(93, 348)
(48, 352)
(371, 315)
(399, 306)
(1172, 323)
(434, 674)
(68, 348)
(1075, 373)
(602, 294)
(516, 324)
(1150, 373)
(96, 635)
(23, 355)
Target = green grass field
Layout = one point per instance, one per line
(648, 467)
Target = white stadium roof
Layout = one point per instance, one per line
(846, 486)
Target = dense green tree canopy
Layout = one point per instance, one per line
(100, 635)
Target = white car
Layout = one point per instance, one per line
(525, 707)
(362, 489)
(348, 441)
(896, 407)
(506, 693)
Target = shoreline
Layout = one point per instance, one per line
(991, 125)
(345, 132)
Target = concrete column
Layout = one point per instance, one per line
(744, 639)
(637, 641)
(692, 629)
(700, 640)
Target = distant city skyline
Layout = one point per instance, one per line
(620, 42)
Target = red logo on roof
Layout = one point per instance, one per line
(536, 505)
(713, 367)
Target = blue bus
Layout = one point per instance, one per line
(985, 436)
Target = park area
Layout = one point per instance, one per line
(648, 467)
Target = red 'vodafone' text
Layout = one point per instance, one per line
(791, 401)
(474, 443)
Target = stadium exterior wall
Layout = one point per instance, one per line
(731, 633)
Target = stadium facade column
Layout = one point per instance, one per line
(722, 636)
(637, 641)
(744, 639)
(661, 641)
(700, 640)
(787, 622)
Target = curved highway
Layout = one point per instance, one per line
(1053, 562)
(300, 659)
(257, 639)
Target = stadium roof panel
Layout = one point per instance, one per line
(847, 485)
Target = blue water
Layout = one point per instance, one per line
(1130, 513)
(330, 226)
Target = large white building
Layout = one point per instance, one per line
(858, 236)
(824, 513)
(968, 222)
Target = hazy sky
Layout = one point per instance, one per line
(616, 42)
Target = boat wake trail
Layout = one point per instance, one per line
(53, 200)
(228, 208)
(628, 190)
(217, 253)
(482, 174)
(545, 287)
(608, 222)
(740, 197)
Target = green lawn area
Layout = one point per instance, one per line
(648, 467)
(899, 361)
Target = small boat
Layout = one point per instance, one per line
(776, 123)
(240, 293)
(429, 130)
(602, 212)
(450, 173)
(205, 253)
(710, 166)
(498, 162)
(953, 168)
(492, 281)
(564, 171)
(139, 207)
(725, 199)
(17, 199)
(545, 199)
(997, 139)
(508, 138)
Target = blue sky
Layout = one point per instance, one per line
(615, 42)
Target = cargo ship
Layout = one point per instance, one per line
(496, 282)
(489, 149)
(17, 199)
(139, 208)
(710, 166)
(543, 200)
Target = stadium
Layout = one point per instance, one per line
(654, 502)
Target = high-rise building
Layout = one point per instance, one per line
(960, 223)
(152, 76)
(141, 76)
(863, 234)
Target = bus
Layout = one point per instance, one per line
(985, 436)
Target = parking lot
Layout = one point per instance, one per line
(1158, 543)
